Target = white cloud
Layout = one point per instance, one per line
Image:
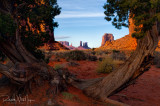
(61, 37)
(72, 14)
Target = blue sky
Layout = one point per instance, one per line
(83, 20)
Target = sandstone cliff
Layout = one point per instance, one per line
(124, 43)
(65, 43)
(107, 37)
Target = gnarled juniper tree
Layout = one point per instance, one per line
(24, 26)
(145, 17)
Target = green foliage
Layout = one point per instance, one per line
(75, 55)
(36, 12)
(33, 40)
(68, 96)
(39, 14)
(144, 13)
(7, 26)
(27, 16)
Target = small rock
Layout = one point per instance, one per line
(50, 103)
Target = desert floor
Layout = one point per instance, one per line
(144, 92)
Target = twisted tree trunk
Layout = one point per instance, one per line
(137, 64)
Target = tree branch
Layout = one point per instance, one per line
(21, 5)
(3, 67)
(11, 73)
(4, 11)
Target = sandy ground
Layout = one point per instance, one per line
(145, 91)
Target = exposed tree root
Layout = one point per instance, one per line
(23, 76)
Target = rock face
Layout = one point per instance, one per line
(85, 46)
(107, 37)
(80, 43)
(71, 47)
(81, 47)
(130, 43)
(65, 43)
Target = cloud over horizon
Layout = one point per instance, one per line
(72, 14)
(81, 9)
(62, 37)
(84, 20)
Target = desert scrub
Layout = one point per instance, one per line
(58, 67)
(75, 55)
(156, 60)
(91, 57)
(117, 55)
(115, 51)
(99, 52)
(107, 65)
(73, 64)
(67, 95)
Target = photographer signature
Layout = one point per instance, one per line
(18, 99)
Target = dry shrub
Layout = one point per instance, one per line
(75, 55)
(92, 58)
(67, 95)
(73, 64)
(58, 67)
(102, 52)
(107, 65)
(118, 56)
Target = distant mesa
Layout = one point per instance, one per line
(53, 46)
(71, 47)
(130, 44)
(65, 43)
(125, 43)
(84, 46)
(107, 37)
(81, 47)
